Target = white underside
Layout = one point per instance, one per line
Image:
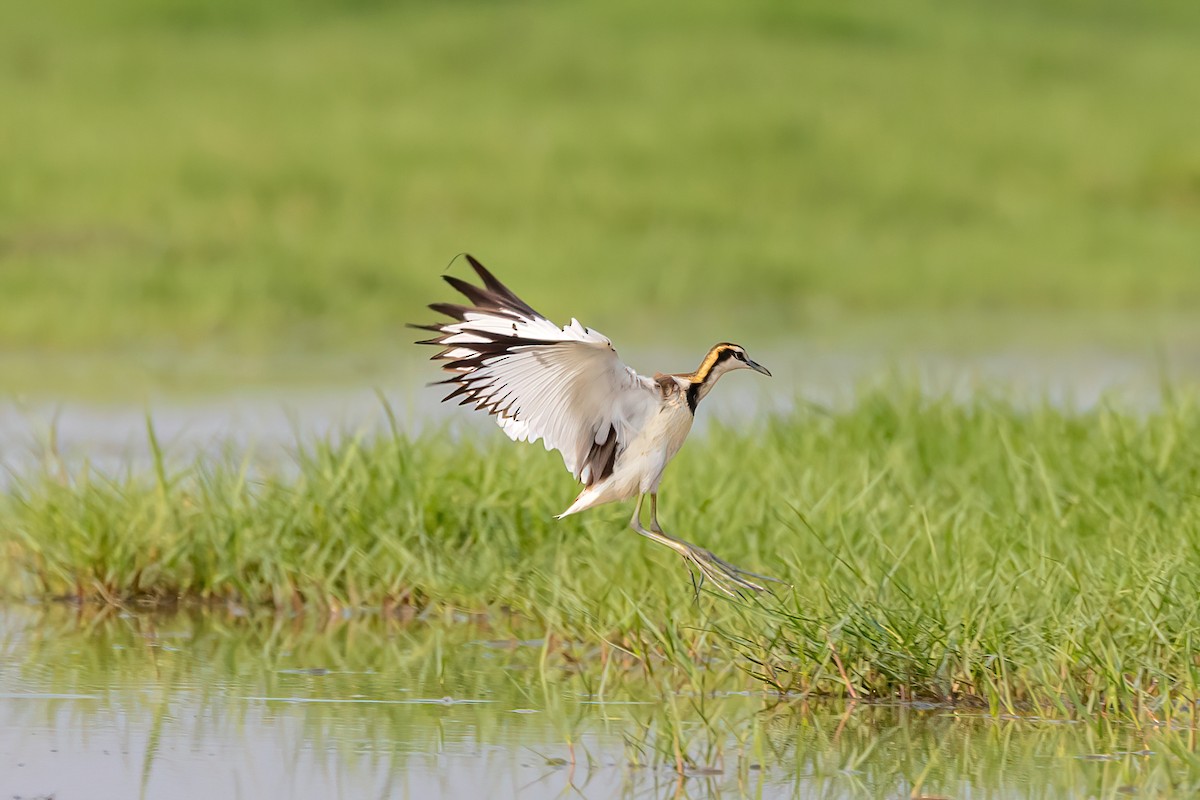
(639, 469)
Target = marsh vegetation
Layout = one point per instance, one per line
(1011, 556)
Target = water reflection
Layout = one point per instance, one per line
(220, 705)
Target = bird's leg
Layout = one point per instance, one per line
(635, 521)
(710, 566)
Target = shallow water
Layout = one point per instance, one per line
(218, 704)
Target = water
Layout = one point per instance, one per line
(112, 437)
(220, 704)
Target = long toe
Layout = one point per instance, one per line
(721, 572)
(729, 578)
(747, 573)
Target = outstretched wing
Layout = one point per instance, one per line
(565, 386)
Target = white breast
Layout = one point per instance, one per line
(641, 466)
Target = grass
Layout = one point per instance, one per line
(979, 551)
(250, 177)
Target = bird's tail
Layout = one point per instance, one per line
(591, 496)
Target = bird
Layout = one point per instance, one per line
(615, 429)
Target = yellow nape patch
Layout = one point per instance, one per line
(709, 362)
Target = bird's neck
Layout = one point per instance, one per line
(704, 378)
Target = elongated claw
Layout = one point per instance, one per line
(728, 578)
(720, 572)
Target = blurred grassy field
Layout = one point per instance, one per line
(262, 176)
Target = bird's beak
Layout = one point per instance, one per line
(754, 365)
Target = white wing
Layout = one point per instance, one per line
(565, 386)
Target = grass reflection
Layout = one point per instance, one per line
(372, 696)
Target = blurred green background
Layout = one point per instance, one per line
(265, 180)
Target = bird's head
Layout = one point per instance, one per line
(733, 356)
(722, 358)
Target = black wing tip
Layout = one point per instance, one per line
(475, 265)
(458, 283)
(453, 310)
(483, 272)
(494, 285)
(492, 298)
(489, 280)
